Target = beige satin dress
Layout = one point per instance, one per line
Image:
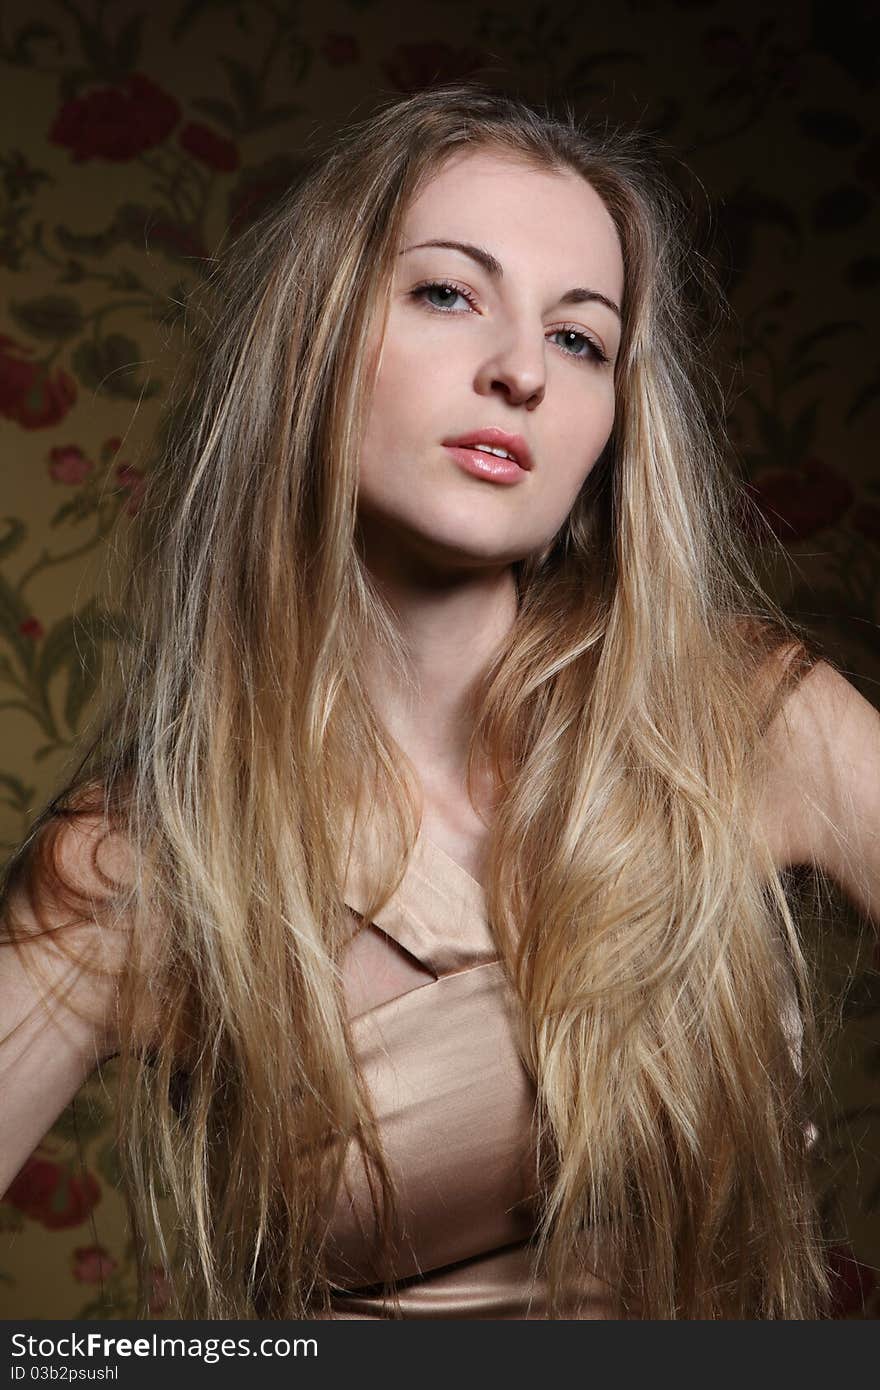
(454, 1105)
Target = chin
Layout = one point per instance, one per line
(471, 542)
(453, 540)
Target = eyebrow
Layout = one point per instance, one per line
(493, 267)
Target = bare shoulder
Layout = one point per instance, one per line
(60, 962)
(94, 855)
(79, 865)
(61, 911)
(823, 791)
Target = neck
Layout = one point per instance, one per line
(452, 627)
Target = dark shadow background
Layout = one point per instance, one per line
(136, 137)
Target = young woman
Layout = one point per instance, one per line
(426, 873)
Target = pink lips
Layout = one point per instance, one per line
(492, 466)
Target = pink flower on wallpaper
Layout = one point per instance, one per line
(797, 502)
(33, 628)
(340, 50)
(68, 464)
(131, 483)
(413, 66)
(92, 1263)
(209, 148)
(116, 123)
(49, 1193)
(30, 394)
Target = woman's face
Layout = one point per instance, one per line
(473, 343)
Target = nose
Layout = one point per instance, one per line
(516, 368)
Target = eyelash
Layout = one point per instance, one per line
(595, 354)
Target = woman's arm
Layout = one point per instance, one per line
(49, 1046)
(825, 785)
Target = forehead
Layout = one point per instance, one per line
(546, 221)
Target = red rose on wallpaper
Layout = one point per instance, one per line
(116, 123)
(33, 628)
(33, 1185)
(211, 149)
(47, 1192)
(92, 1263)
(796, 502)
(413, 66)
(30, 394)
(68, 464)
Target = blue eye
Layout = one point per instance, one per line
(593, 353)
(446, 287)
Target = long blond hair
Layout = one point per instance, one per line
(635, 904)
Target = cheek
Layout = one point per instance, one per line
(586, 436)
(392, 431)
(383, 423)
(407, 399)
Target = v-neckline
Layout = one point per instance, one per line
(440, 853)
(438, 912)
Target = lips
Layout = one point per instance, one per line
(514, 444)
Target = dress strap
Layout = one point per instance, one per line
(438, 911)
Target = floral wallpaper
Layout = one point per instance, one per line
(137, 138)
